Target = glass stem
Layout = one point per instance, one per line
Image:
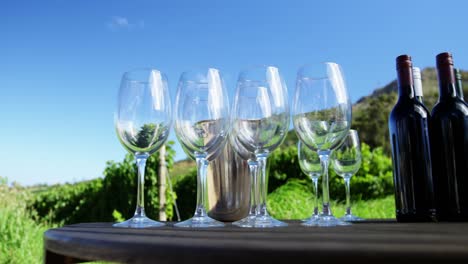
(141, 166)
(326, 211)
(253, 170)
(263, 185)
(347, 178)
(202, 165)
(315, 182)
(258, 188)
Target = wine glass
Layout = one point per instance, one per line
(202, 126)
(260, 124)
(322, 118)
(309, 162)
(346, 162)
(142, 122)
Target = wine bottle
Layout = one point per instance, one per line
(409, 138)
(459, 84)
(449, 142)
(417, 84)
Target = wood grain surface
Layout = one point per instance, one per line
(368, 242)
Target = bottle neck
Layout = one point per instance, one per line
(405, 82)
(459, 85)
(460, 92)
(447, 91)
(447, 83)
(418, 93)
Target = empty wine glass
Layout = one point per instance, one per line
(309, 162)
(346, 162)
(260, 124)
(202, 126)
(142, 122)
(322, 118)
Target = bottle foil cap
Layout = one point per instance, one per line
(417, 82)
(403, 61)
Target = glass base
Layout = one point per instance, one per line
(265, 221)
(139, 221)
(248, 221)
(311, 221)
(200, 222)
(325, 221)
(351, 218)
(330, 220)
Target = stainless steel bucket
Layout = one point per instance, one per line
(228, 186)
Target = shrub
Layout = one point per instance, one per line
(102, 199)
(186, 190)
(67, 203)
(373, 180)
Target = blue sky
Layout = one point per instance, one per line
(61, 61)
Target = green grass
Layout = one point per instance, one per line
(378, 208)
(20, 238)
(20, 235)
(291, 201)
(294, 201)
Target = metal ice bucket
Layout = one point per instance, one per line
(228, 186)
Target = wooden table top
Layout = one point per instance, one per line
(368, 242)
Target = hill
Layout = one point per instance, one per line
(182, 167)
(430, 88)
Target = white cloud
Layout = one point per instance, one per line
(122, 23)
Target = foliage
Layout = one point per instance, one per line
(171, 198)
(282, 165)
(373, 180)
(294, 200)
(186, 190)
(20, 235)
(105, 199)
(67, 203)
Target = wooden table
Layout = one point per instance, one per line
(368, 242)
